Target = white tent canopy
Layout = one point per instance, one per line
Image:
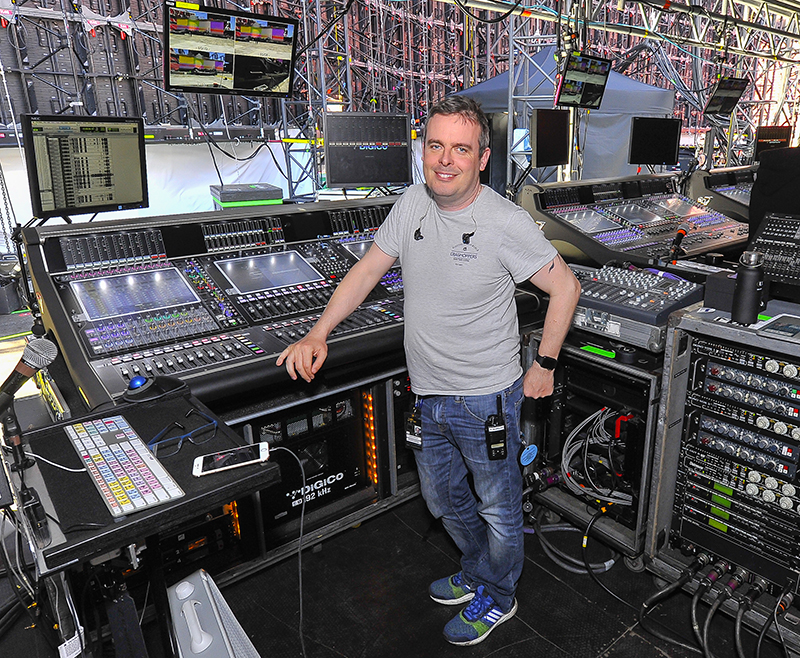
(604, 133)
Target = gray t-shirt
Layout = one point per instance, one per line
(461, 333)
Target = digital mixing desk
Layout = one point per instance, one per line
(633, 219)
(211, 298)
(727, 190)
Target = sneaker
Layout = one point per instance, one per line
(452, 590)
(477, 620)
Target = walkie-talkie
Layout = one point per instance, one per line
(496, 433)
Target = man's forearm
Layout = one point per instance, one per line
(351, 292)
(558, 320)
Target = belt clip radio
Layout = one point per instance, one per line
(414, 428)
(496, 433)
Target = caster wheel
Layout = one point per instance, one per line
(635, 564)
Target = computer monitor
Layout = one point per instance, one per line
(583, 81)
(222, 51)
(725, 95)
(82, 165)
(367, 149)
(550, 131)
(654, 141)
(771, 137)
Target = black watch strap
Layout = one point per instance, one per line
(547, 362)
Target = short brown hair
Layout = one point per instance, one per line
(467, 108)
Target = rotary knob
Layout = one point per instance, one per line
(753, 476)
(769, 405)
(762, 422)
(768, 496)
(771, 366)
(796, 433)
(788, 490)
(771, 483)
(761, 460)
(786, 503)
(751, 489)
(780, 428)
(789, 370)
(771, 386)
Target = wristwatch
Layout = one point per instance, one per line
(547, 362)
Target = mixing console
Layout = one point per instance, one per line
(633, 220)
(631, 306)
(211, 298)
(725, 190)
(778, 238)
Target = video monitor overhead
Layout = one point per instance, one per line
(213, 50)
(725, 95)
(654, 141)
(583, 81)
(367, 149)
(79, 165)
(771, 137)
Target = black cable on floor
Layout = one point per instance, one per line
(774, 618)
(663, 594)
(723, 596)
(589, 569)
(701, 590)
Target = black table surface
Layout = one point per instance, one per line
(89, 527)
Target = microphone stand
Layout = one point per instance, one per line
(13, 437)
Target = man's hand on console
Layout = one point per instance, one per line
(305, 357)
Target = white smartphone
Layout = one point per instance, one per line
(228, 459)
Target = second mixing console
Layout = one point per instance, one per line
(635, 219)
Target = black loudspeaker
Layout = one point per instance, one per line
(495, 173)
(550, 137)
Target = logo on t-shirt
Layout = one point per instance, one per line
(464, 253)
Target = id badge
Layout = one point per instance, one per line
(413, 432)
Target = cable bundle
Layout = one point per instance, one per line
(598, 436)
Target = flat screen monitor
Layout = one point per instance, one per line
(771, 137)
(550, 129)
(725, 95)
(213, 50)
(80, 165)
(654, 141)
(367, 149)
(583, 81)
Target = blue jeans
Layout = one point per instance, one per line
(486, 524)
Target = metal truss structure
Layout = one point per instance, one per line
(105, 57)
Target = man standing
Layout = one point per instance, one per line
(462, 247)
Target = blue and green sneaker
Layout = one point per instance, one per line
(452, 590)
(474, 623)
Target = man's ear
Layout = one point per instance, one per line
(485, 158)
